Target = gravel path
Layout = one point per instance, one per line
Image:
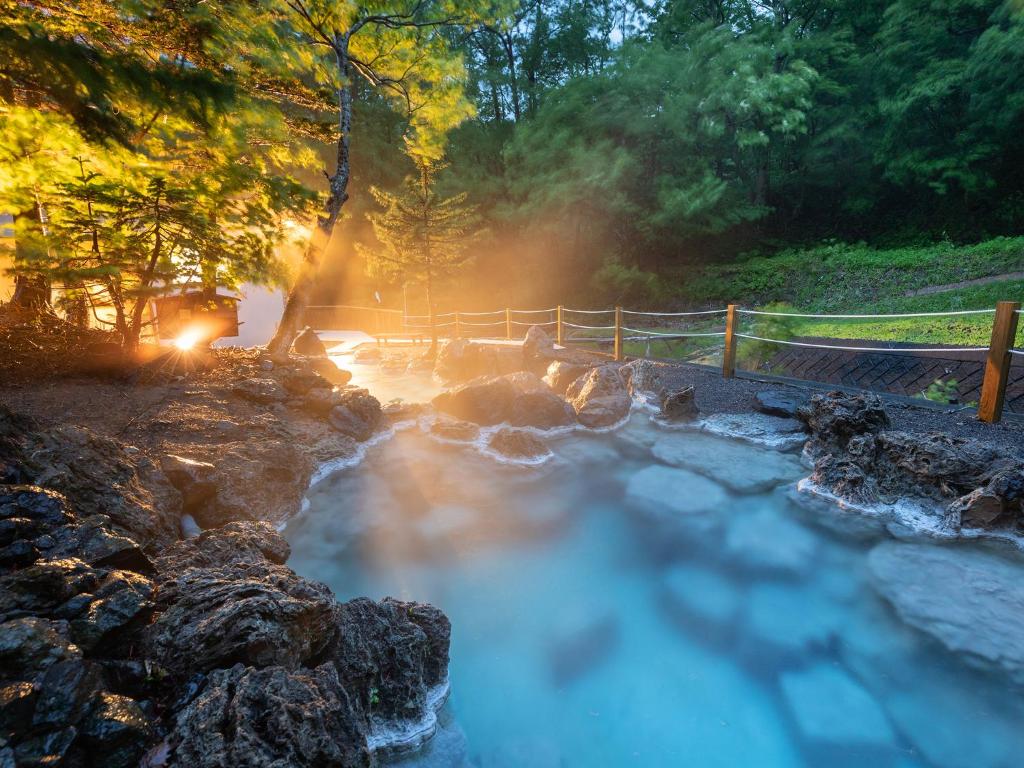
(717, 395)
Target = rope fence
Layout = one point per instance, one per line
(1000, 351)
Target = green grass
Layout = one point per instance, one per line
(838, 277)
(965, 330)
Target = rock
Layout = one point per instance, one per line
(835, 417)
(833, 710)
(259, 614)
(98, 474)
(790, 620)
(240, 542)
(357, 414)
(520, 399)
(650, 377)
(320, 401)
(389, 654)
(300, 381)
(678, 495)
(122, 602)
(309, 344)
(398, 411)
(194, 480)
(17, 703)
(517, 444)
(460, 360)
(997, 504)
(30, 645)
(561, 373)
(485, 400)
(739, 467)
(270, 718)
(777, 402)
(542, 409)
(41, 510)
(969, 600)
(66, 690)
(41, 587)
(538, 345)
(258, 480)
(599, 397)
(706, 597)
(261, 391)
(117, 729)
(767, 541)
(331, 372)
(757, 428)
(452, 429)
(679, 405)
(95, 542)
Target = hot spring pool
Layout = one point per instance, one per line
(605, 613)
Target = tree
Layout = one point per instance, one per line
(423, 237)
(399, 48)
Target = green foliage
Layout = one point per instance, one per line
(944, 392)
(422, 236)
(752, 354)
(629, 285)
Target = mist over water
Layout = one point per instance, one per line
(592, 627)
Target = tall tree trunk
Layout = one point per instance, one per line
(299, 295)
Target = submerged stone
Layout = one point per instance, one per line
(765, 540)
(789, 620)
(702, 594)
(831, 708)
(969, 600)
(741, 468)
(679, 496)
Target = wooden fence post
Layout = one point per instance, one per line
(729, 354)
(558, 326)
(997, 363)
(508, 323)
(618, 334)
(458, 327)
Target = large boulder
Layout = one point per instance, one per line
(835, 417)
(257, 480)
(326, 368)
(238, 542)
(270, 718)
(256, 613)
(520, 399)
(599, 397)
(117, 729)
(518, 445)
(460, 360)
(389, 654)
(561, 373)
(193, 479)
(357, 414)
(96, 473)
(308, 343)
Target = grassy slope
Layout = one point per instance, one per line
(860, 280)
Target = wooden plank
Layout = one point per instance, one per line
(997, 363)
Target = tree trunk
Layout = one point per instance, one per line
(305, 281)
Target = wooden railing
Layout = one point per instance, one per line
(512, 323)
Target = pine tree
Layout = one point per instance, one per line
(423, 237)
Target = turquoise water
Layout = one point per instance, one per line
(592, 627)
